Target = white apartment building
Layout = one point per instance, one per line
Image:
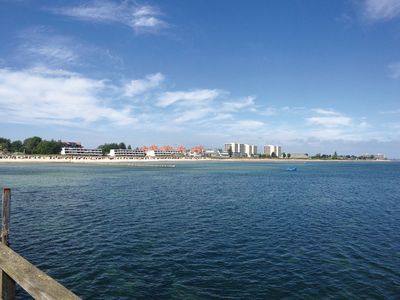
(236, 148)
(250, 150)
(127, 153)
(161, 154)
(241, 149)
(80, 151)
(269, 149)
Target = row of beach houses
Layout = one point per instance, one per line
(230, 150)
(114, 153)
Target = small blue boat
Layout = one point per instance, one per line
(291, 169)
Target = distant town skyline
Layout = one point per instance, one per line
(311, 76)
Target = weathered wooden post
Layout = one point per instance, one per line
(7, 285)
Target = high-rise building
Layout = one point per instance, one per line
(239, 150)
(250, 150)
(270, 150)
(236, 148)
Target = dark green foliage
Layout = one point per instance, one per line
(31, 143)
(48, 147)
(16, 146)
(5, 144)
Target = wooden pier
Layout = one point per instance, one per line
(14, 269)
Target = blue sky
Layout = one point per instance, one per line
(313, 76)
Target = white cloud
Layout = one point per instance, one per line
(43, 96)
(187, 97)
(142, 18)
(246, 102)
(34, 96)
(328, 118)
(380, 10)
(330, 121)
(248, 125)
(322, 111)
(139, 86)
(193, 115)
(395, 70)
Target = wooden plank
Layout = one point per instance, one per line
(7, 285)
(37, 283)
(5, 214)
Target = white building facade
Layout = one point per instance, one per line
(236, 148)
(240, 150)
(163, 154)
(72, 151)
(250, 150)
(269, 150)
(127, 153)
(299, 155)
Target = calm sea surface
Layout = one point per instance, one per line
(211, 230)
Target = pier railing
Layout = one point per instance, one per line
(14, 269)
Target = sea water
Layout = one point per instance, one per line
(216, 230)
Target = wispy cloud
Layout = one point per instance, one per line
(380, 10)
(192, 115)
(390, 112)
(141, 18)
(245, 103)
(42, 46)
(139, 86)
(327, 112)
(248, 125)
(187, 97)
(330, 121)
(328, 118)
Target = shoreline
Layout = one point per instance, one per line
(120, 161)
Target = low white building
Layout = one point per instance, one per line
(299, 155)
(216, 153)
(163, 154)
(72, 151)
(269, 150)
(380, 156)
(127, 153)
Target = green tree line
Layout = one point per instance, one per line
(32, 145)
(37, 145)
